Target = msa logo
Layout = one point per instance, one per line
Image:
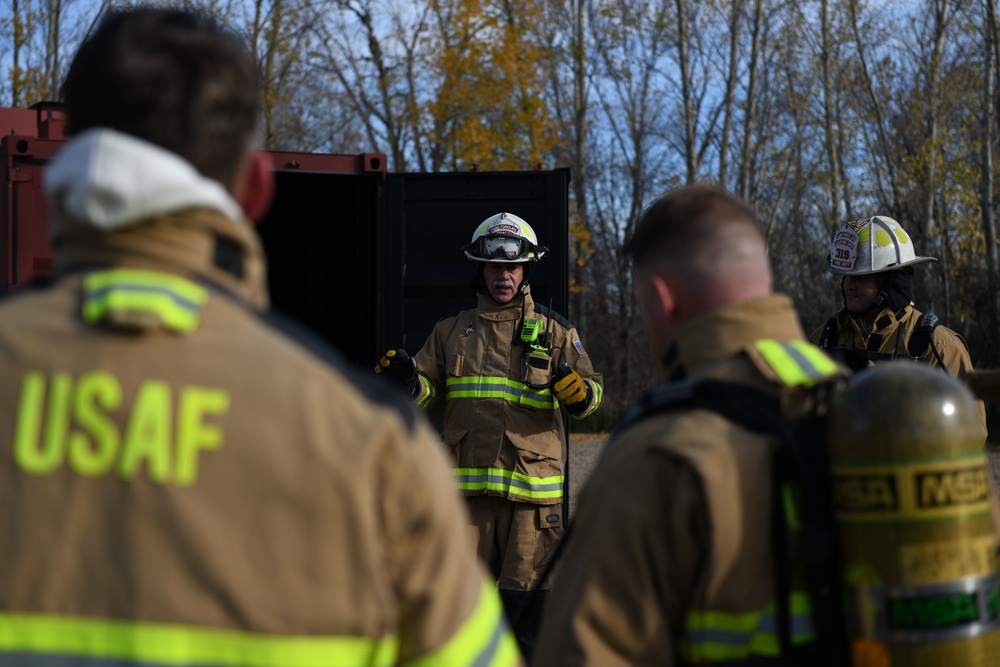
(865, 493)
(943, 611)
(964, 486)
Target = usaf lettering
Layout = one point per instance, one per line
(168, 443)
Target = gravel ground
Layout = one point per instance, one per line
(992, 463)
(583, 451)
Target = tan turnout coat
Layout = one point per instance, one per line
(673, 524)
(229, 489)
(891, 335)
(500, 415)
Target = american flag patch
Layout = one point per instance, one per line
(579, 348)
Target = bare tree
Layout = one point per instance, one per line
(564, 32)
(277, 31)
(750, 115)
(883, 157)
(940, 18)
(991, 61)
(826, 57)
(53, 46)
(632, 44)
(729, 98)
(687, 94)
(27, 73)
(369, 50)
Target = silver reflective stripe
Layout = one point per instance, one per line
(768, 625)
(485, 659)
(804, 362)
(797, 363)
(720, 636)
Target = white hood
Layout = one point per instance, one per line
(109, 180)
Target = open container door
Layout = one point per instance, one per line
(322, 236)
(430, 217)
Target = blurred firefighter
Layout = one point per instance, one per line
(878, 322)
(669, 560)
(505, 368)
(189, 480)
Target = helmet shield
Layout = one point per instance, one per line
(504, 237)
(501, 247)
(872, 245)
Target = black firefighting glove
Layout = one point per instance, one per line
(570, 389)
(399, 368)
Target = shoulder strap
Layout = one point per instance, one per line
(922, 338)
(738, 403)
(829, 335)
(920, 341)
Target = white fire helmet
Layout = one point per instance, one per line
(872, 245)
(504, 237)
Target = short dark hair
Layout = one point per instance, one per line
(175, 78)
(687, 218)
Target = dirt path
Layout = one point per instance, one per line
(584, 449)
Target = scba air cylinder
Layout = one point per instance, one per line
(915, 512)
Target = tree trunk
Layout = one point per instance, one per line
(728, 102)
(832, 155)
(579, 179)
(986, 201)
(687, 94)
(883, 147)
(16, 77)
(941, 18)
(750, 117)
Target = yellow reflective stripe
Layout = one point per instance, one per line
(503, 388)
(174, 317)
(796, 362)
(483, 640)
(427, 391)
(167, 644)
(175, 300)
(509, 482)
(597, 395)
(183, 287)
(791, 513)
(715, 636)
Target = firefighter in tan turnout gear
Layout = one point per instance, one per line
(506, 369)
(669, 559)
(186, 479)
(878, 322)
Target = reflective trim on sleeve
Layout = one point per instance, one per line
(596, 396)
(484, 640)
(791, 512)
(510, 483)
(427, 391)
(99, 640)
(508, 390)
(715, 636)
(175, 301)
(796, 362)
